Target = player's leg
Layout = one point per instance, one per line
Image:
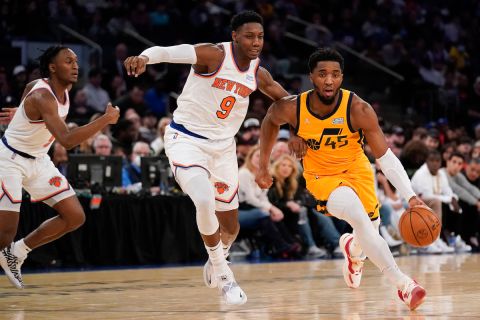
(189, 158)
(229, 228)
(344, 203)
(10, 201)
(70, 217)
(195, 182)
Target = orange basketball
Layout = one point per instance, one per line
(419, 226)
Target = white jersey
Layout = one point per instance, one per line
(33, 137)
(214, 105)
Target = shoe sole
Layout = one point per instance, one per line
(418, 296)
(212, 283)
(9, 274)
(345, 271)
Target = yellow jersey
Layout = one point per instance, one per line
(333, 145)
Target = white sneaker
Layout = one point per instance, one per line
(11, 264)
(431, 249)
(443, 246)
(316, 252)
(412, 294)
(461, 246)
(231, 292)
(352, 267)
(208, 275)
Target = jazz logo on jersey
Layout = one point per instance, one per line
(337, 121)
(232, 86)
(221, 187)
(55, 181)
(333, 139)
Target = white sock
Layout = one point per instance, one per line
(217, 258)
(20, 249)
(226, 249)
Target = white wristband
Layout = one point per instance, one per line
(184, 53)
(392, 169)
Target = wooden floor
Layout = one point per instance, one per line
(295, 290)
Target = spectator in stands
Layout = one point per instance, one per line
(132, 100)
(283, 194)
(432, 140)
(472, 172)
(19, 81)
(469, 201)
(102, 145)
(131, 173)
(157, 98)
(157, 145)
(433, 188)
(148, 131)
(255, 207)
(247, 137)
(80, 111)
(59, 157)
(97, 97)
(465, 147)
(115, 65)
(124, 135)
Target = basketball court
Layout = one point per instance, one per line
(292, 290)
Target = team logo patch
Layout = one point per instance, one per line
(249, 77)
(221, 187)
(55, 181)
(337, 121)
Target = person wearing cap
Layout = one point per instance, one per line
(19, 80)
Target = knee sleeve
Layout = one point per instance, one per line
(195, 182)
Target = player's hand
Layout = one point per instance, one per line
(135, 65)
(264, 178)
(416, 201)
(6, 115)
(297, 146)
(112, 113)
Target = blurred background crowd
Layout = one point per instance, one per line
(416, 62)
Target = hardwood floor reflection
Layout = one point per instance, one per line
(295, 290)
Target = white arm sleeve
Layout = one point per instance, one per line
(184, 53)
(392, 169)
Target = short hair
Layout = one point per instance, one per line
(241, 18)
(325, 54)
(47, 57)
(458, 155)
(433, 154)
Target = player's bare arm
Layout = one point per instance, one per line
(41, 105)
(364, 117)
(268, 86)
(280, 112)
(204, 57)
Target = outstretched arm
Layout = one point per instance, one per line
(46, 105)
(364, 117)
(280, 112)
(268, 86)
(203, 55)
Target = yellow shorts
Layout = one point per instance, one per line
(359, 178)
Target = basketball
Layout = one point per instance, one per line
(419, 226)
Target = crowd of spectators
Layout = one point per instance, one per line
(432, 44)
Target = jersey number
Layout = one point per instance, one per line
(226, 106)
(334, 139)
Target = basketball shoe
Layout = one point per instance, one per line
(412, 294)
(231, 292)
(11, 264)
(208, 275)
(353, 266)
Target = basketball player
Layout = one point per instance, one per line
(200, 140)
(24, 163)
(334, 122)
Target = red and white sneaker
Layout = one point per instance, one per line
(352, 267)
(412, 294)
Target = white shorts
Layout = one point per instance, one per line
(39, 177)
(217, 157)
